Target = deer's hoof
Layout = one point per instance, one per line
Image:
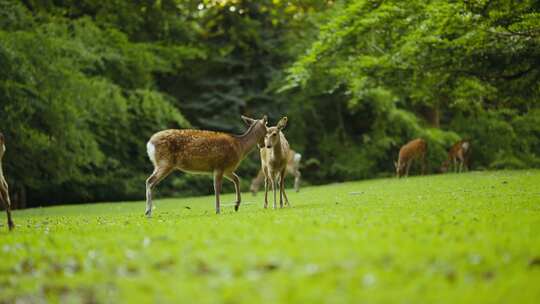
(148, 213)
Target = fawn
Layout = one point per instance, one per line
(415, 149)
(198, 151)
(4, 189)
(293, 167)
(274, 158)
(458, 156)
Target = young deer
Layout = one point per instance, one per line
(4, 190)
(415, 149)
(197, 151)
(459, 153)
(293, 168)
(274, 158)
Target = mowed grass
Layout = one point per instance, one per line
(469, 238)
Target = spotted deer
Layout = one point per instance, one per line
(415, 149)
(458, 156)
(198, 151)
(293, 168)
(4, 190)
(274, 158)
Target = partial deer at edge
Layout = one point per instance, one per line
(413, 150)
(4, 189)
(197, 151)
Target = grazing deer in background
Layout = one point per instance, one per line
(415, 149)
(274, 158)
(293, 168)
(459, 153)
(4, 190)
(197, 151)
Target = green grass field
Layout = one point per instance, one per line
(470, 238)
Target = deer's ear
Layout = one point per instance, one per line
(247, 120)
(282, 123)
(265, 119)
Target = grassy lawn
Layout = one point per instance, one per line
(471, 238)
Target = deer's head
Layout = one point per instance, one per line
(258, 126)
(272, 133)
(400, 167)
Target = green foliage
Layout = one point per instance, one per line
(70, 92)
(467, 238)
(408, 68)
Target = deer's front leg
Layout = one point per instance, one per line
(273, 180)
(218, 179)
(265, 189)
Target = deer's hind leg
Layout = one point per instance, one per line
(297, 176)
(157, 176)
(236, 181)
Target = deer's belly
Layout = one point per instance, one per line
(205, 165)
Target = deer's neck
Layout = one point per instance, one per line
(248, 140)
(277, 152)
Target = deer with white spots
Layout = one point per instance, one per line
(274, 158)
(4, 190)
(206, 152)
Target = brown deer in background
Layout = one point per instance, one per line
(415, 149)
(197, 151)
(274, 158)
(293, 168)
(4, 190)
(458, 156)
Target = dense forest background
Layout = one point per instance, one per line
(83, 85)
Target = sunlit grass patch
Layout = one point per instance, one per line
(453, 238)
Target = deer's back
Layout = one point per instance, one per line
(413, 149)
(196, 150)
